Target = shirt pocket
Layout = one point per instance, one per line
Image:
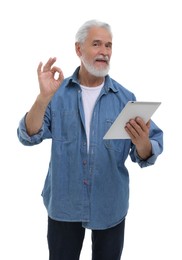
(117, 145)
(64, 125)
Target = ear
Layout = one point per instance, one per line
(78, 49)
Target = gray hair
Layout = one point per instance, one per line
(82, 32)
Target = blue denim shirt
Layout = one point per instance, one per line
(89, 187)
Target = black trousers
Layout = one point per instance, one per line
(65, 240)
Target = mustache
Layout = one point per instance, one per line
(102, 58)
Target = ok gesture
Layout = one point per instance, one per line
(47, 82)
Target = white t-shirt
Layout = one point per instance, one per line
(89, 97)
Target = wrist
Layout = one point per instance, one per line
(43, 101)
(144, 152)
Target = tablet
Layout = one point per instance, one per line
(143, 109)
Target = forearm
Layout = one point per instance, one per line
(34, 118)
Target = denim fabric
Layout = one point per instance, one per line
(89, 187)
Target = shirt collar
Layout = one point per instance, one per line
(108, 85)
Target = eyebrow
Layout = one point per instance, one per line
(99, 41)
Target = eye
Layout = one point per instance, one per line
(109, 45)
(95, 44)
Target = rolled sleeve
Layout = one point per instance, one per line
(23, 136)
(149, 161)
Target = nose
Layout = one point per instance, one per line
(103, 50)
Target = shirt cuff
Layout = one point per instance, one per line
(25, 138)
(151, 160)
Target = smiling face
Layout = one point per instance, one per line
(95, 52)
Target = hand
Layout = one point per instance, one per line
(139, 134)
(47, 81)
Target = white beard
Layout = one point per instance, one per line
(95, 71)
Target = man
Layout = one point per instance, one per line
(87, 185)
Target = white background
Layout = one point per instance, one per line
(147, 59)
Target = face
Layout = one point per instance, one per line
(95, 52)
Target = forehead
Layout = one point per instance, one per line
(99, 33)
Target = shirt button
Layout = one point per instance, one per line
(85, 182)
(84, 162)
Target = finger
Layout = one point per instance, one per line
(48, 65)
(55, 70)
(131, 127)
(137, 126)
(148, 124)
(61, 76)
(39, 68)
(141, 123)
(144, 126)
(128, 131)
(139, 120)
(140, 128)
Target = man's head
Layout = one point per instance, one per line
(93, 43)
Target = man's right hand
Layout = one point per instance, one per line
(47, 82)
(48, 86)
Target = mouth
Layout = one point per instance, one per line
(103, 60)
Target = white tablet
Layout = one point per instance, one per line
(144, 109)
